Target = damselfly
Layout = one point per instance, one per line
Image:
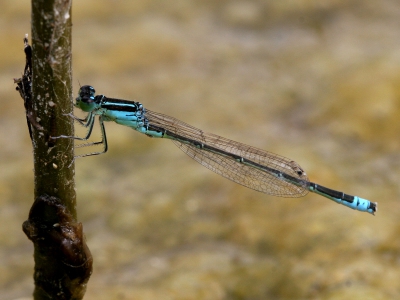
(259, 170)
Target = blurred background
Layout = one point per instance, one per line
(315, 81)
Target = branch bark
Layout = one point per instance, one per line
(63, 263)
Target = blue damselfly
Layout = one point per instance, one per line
(259, 170)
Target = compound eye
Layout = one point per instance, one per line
(86, 94)
(91, 91)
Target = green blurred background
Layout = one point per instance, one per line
(315, 81)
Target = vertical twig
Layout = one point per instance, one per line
(63, 263)
(52, 94)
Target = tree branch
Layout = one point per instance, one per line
(63, 262)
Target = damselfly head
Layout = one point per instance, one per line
(86, 99)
